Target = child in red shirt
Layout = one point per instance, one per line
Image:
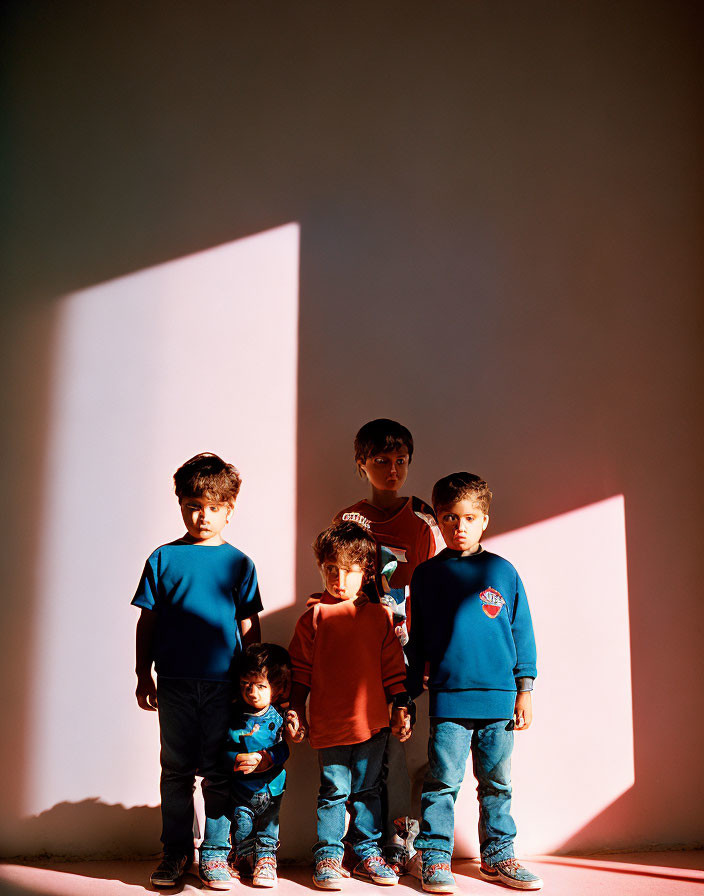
(344, 653)
(404, 528)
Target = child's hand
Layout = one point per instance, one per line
(401, 724)
(295, 731)
(146, 692)
(249, 762)
(523, 712)
(298, 730)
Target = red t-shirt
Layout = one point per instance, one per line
(411, 534)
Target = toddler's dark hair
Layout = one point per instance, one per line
(346, 543)
(382, 435)
(458, 486)
(270, 661)
(207, 475)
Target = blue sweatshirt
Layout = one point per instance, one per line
(471, 623)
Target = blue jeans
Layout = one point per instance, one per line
(193, 717)
(491, 744)
(351, 772)
(255, 824)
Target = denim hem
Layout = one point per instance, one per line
(500, 855)
(432, 854)
(327, 852)
(210, 855)
(211, 848)
(428, 844)
(368, 851)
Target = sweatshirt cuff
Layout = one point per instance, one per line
(524, 684)
(279, 752)
(397, 687)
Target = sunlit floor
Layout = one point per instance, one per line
(638, 874)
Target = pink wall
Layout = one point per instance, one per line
(500, 215)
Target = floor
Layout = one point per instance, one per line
(652, 873)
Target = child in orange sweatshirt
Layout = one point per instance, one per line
(344, 653)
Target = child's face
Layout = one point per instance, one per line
(204, 518)
(462, 525)
(341, 581)
(387, 471)
(256, 691)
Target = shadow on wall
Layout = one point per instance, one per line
(113, 432)
(93, 828)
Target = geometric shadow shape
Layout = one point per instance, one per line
(577, 757)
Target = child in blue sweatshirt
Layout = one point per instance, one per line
(472, 626)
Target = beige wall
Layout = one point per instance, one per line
(501, 218)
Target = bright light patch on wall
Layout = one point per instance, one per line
(577, 758)
(199, 354)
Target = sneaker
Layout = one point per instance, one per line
(436, 875)
(396, 861)
(511, 873)
(170, 871)
(329, 873)
(375, 869)
(264, 873)
(215, 874)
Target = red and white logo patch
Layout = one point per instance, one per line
(491, 602)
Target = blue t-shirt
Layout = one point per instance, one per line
(200, 593)
(250, 733)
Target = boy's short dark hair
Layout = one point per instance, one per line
(382, 435)
(207, 475)
(458, 486)
(346, 543)
(271, 662)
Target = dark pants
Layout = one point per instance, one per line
(193, 717)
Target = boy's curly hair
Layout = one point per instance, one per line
(346, 543)
(458, 486)
(207, 475)
(271, 662)
(379, 436)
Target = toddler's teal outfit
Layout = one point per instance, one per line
(257, 797)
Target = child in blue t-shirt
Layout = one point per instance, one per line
(255, 753)
(200, 603)
(472, 627)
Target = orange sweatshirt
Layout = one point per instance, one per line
(346, 653)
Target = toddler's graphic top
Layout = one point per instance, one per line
(253, 733)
